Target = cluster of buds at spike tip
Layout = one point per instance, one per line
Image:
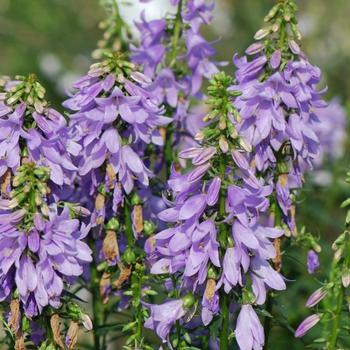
(115, 63)
(29, 190)
(116, 32)
(280, 35)
(23, 89)
(222, 116)
(280, 16)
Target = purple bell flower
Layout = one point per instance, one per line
(249, 331)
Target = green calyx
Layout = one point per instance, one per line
(188, 301)
(30, 190)
(28, 90)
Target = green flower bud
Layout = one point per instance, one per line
(129, 256)
(188, 301)
(113, 225)
(135, 199)
(212, 273)
(148, 227)
(25, 324)
(74, 311)
(102, 266)
(247, 296)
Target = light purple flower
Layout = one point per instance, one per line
(306, 325)
(39, 262)
(45, 137)
(316, 297)
(249, 331)
(164, 316)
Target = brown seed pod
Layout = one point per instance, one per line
(138, 218)
(72, 335)
(56, 330)
(125, 273)
(110, 246)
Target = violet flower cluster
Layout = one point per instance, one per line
(114, 119)
(270, 135)
(29, 125)
(210, 241)
(42, 248)
(216, 241)
(40, 262)
(278, 116)
(174, 53)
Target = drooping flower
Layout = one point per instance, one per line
(249, 331)
(164, 316)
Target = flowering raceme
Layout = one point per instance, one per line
(115, 119)
(26, 118)
(279, 107)
(177, 69)
(215, 237)
(187, 198)
(59, 255)
(41, 244)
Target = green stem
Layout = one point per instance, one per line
(168, 147)
(128, 225)
(176, 294)
(225, 315)
(336, 321)
(168, 150)
(139, 317)
(267, 321)
(96, 306)
(223, 236)
(176, 35)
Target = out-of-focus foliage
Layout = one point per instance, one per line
(51, 38)
(54, 39)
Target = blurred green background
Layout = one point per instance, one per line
(54, 39)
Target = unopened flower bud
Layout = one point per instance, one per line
(223, 144)
(87, 323)
(135, 199)
(148, 227)
(188, 301)
(262, 33)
